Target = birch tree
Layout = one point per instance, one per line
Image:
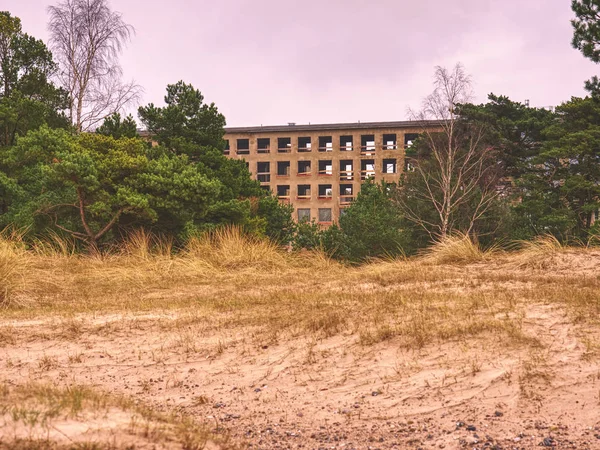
(87, 38)
(454, 173)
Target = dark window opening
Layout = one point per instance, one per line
(264, 145)
(266, 188)
(263, 171)
(303, 214)
(389, 142)
(325, 143)
(284, 145)
(243, 146)
(325, 191)
(367, 143)
(283, 191)
(346, 169)
(325, 167)
(346, 143)
(367, 169)
(283, 168)
(304, 144)
(324, 214)
(346, 194)
(303, 167)
(303, 191)
(389, 166)
(227, 149)
(409, 139)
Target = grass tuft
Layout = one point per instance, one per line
(458, 248)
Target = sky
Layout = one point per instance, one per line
(267, 62)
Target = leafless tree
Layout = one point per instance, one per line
(456, 171)
(87, 39)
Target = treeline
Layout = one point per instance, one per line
(71, 164)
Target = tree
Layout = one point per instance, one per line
(87, 38)
(84, 185)
(116, 127)
(372, 225)
(455, 172)
(27, 98)
(561, 193)
(586, 35)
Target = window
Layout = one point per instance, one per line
(284, 145)
(303, 167)
(346, 169)
(324, 214)
(325, 167)
(346, 194)
(367, 168)
(304, 144)
(389, 142)
(227, 150)
(263, 170)
(243, 146)
(389, 166)
(283, 168)
(409, 138)
(346, 143)
(303, 214)
(303, 191)
(263, 145)
(283, 191)
(325, 191)
(325, 143)
(367, 143)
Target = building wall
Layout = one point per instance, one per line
(336, 202)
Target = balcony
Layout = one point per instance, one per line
(346, 175)
(346, 199)
(263, 177)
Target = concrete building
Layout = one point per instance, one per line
(319, 168)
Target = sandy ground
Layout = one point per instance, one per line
(329, 393)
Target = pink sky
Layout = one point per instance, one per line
(278, 61)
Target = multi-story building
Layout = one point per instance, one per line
(319, 168)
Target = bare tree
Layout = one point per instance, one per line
(87, 38)
(455, 171)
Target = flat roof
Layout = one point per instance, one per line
(334, 126)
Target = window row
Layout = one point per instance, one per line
(325, 144)
(324, 192)
(324, 215)
(325, 167)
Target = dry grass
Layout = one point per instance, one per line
(457, 249)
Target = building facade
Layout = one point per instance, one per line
(319, 168)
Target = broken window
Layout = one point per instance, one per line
(346, 169)
(389, 142)
(325, 191)
(367, 169)
(283, 191)
(325, 143)
(409, 138)
(367, 143)
(303, 214)
(346, 194)
(304, 144)
(263, 145)
(243, 146)
(325, 167)
(389, 166)
(303, 167)
(324, 214)
(227, 150)
(266, 187)
(283, 168)
(263, 171)
(284, 145)
(303, 191)
(346, 143)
